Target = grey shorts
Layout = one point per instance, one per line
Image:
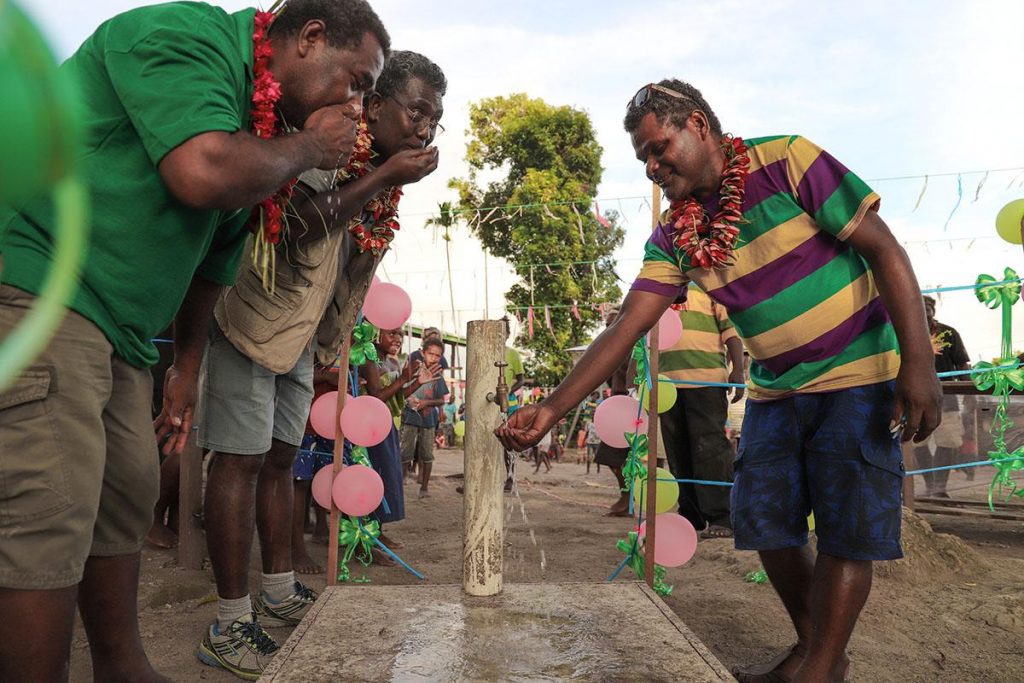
(243, 405)
(79, 469)
(417, 443)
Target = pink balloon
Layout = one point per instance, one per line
(615, 417)
(675, 539)
(387, 306)
(357, 490)
(323, 415)
(366, 421)
(670, 329)
(321, 486)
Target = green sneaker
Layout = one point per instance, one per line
(244, 648)
(288, 612)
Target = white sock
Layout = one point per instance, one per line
(229, 610)
(279, 586)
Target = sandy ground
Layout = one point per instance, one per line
(953, 610)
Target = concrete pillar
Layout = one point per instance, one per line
(484, 463)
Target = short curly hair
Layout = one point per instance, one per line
(346, 21)
(403, 66)
(676, 110)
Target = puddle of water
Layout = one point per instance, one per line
(491, 643)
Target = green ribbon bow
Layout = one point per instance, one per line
(360, 456)
(631, 547)
(633, 467)
(759, 577)
(1003, 296)
(362, 344)
(354, 535)
(1001, 378)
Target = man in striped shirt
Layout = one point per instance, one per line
(827, 303)
(694, 427)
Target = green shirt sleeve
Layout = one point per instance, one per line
(221, 262)
(175, 84)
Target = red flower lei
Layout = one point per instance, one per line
(383, 208)
(267, 219)
(709, 241)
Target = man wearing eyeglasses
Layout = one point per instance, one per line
(259, 360)
(779, 232)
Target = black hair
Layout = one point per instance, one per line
(929, 300)
(675, 109)
(345, 21)
(403, 66)
(433, 341)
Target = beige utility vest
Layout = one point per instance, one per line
(273, 329)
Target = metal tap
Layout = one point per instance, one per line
(500, 394)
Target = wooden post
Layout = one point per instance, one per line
(190, 506)
(483, 462)
(339, 450)
(652, 424)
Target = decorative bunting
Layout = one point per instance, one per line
(924, 188)
(959, 198)
(605, 223)
(529, 321)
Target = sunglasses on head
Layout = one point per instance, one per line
(645, 93)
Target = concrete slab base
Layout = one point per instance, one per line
(531, 632)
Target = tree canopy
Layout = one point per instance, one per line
(542, 166)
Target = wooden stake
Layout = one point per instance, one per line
(483, 464)
(652, 424)
(339, 449)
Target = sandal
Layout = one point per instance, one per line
(716, 531)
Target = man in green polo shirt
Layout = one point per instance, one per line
(173, 171)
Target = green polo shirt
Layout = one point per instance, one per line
(149, 79)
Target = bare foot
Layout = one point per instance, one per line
(304, 564)
(161, 537)
(390, 542)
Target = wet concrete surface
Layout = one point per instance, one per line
(530, 633)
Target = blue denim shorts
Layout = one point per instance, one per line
(827, 453)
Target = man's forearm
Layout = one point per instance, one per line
(191, 324)
(901, 294)
(735, 348)
(220, 170)
(334, 210)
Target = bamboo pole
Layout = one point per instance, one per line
(652, 424)
(484, 463)
(339, 450)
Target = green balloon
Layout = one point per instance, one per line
(460, 428)
(39, 139)
(38, 133)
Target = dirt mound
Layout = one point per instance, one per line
(926, 554)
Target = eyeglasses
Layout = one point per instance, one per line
(418, 118)
(645, 93)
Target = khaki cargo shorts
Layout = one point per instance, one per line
(79, 469)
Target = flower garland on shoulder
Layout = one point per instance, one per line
(382, 208)
(267, 220)
(709, 241)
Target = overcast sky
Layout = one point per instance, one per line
(892, 89)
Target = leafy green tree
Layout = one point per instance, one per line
(544, 165)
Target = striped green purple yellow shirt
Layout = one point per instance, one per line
(803, 301)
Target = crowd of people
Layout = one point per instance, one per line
(784, 275)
